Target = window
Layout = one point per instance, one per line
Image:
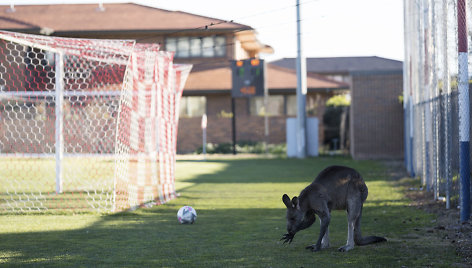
(192, 106)
(171, 44)
(291, 105)
(183, 47)
(194, 46)
(283, 105)
(207, 47)
(275, 106)
(220, 48)
(311, 105)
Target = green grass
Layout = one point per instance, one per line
(88, 182)
(240, 220)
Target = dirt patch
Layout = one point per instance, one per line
(447, 224)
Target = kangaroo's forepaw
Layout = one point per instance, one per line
(345, 248)
(288, 238)
(314, 248)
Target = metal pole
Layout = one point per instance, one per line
(419, 96)
(412, 82)
(427, 94)
(406, 86)
(266, 109)
(204, 128)
(464, 110)
(435, 103)
(447, 114)
(59, 100)
(233, 121)
(301, 91)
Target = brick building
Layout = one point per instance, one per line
(376, 113)
(207, 43)
(216, 91)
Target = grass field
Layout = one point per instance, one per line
(240, 220)
(30, 184)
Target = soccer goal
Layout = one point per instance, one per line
(86, 124)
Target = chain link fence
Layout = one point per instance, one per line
(431, 95)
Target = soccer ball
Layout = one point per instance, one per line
(186, 214)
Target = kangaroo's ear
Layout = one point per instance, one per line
(295, 202)
(286, 201)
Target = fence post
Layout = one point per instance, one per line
(446, 108)
(406, 87)
(464, 110)
(427, 95)
(435, 102)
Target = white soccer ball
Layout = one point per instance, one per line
(187, 214)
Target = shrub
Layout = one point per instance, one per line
(249, 147)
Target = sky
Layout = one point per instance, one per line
(329, 28)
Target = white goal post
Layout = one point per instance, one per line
(86, 124)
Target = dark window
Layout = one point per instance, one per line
(193, 47)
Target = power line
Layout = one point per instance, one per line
(204, 27)
(212, 24)
(275, 10)
(208, 26)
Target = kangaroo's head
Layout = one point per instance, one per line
(294, 214)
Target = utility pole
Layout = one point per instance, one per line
(301, 91)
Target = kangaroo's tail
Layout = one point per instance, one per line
(361, 241)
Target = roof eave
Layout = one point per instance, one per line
(119, 32)
(199, 92)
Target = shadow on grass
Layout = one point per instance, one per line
(232, 237)
(149, 237)
(235, 237)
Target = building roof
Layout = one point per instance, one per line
(110, 18)
(216, 78)
(344, 65)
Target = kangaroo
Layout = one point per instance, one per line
(336, 187)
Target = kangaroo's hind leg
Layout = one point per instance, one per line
(357, 230)
(325, 240)
(354, 210)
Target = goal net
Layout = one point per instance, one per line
(86, 124)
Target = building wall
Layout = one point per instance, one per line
(248, 127)
(232, 49)
(376, 115)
